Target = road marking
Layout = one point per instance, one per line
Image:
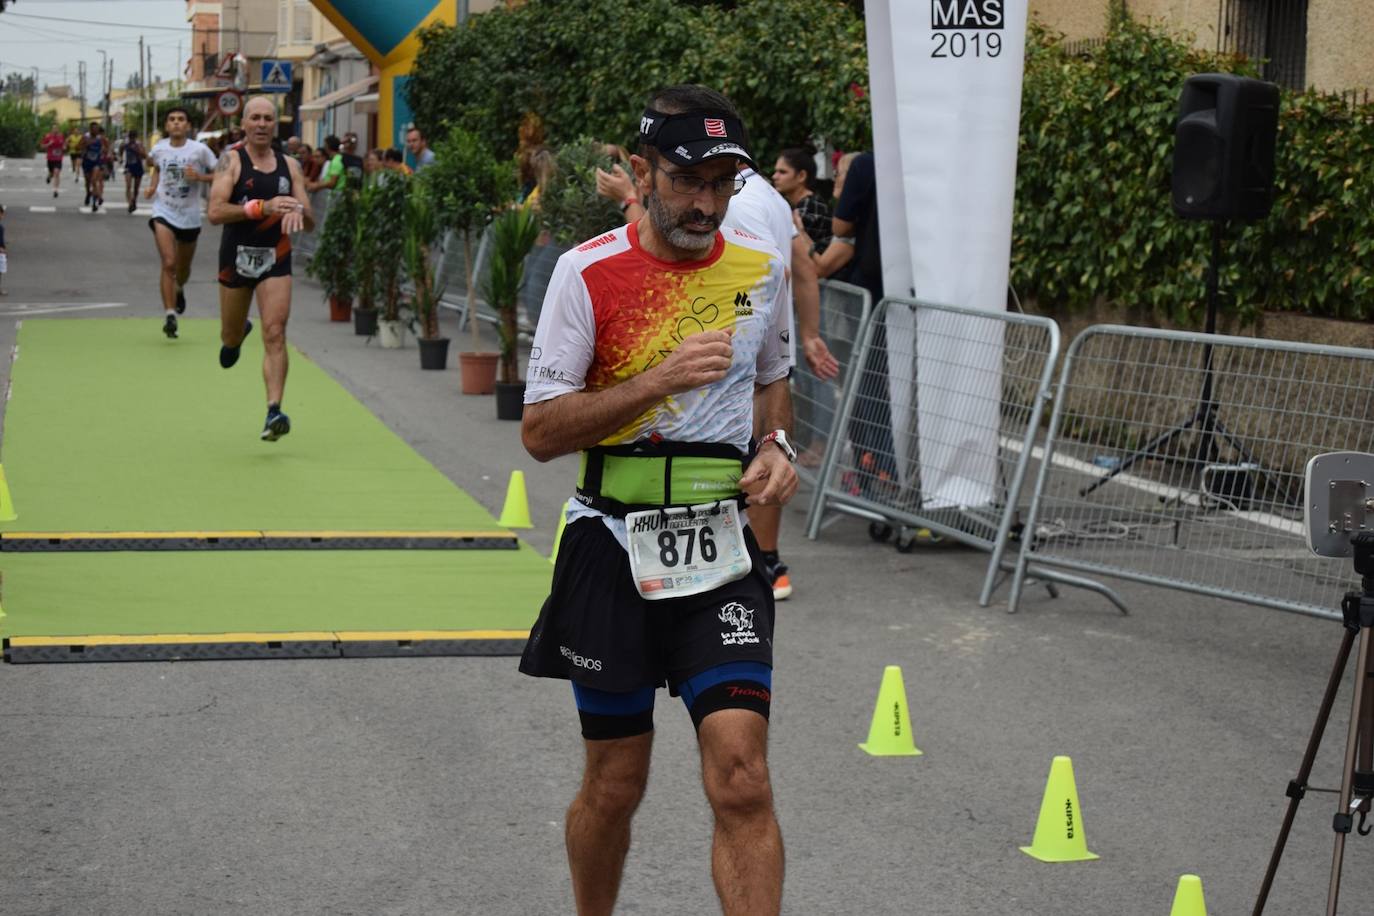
(25, 309)
(42, 209)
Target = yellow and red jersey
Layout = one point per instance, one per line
(613, 311)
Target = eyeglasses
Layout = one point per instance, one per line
(691, 184)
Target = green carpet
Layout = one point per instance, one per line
(111, 427)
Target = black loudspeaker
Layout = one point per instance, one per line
(1224, 147)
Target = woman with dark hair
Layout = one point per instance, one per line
(794, 175)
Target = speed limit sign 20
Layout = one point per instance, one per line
(229, 102)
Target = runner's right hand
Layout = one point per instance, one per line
(284, 203)
(699, 360)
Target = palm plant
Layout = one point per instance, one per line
(422, 231)
(333, 261)
(512, 236)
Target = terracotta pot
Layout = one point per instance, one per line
(340, 308)
(478, 372)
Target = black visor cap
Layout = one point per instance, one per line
(694, 137)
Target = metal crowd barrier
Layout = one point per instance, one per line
(305, 243)
(844, 310)
(1131, 484)
(539, 266)
(942, 441)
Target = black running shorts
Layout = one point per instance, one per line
(597, 631)
(184, 236)
(230, 278)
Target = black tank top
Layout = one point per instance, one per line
(255, 185)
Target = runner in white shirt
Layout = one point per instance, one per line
(179, 166)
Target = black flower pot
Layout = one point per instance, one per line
(434, 353)
(364, 322)
(510, 400)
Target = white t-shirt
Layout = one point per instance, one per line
(613, 311)
(178, 198)
(761, 210)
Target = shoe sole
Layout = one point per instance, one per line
(783, 593)
(276, 429)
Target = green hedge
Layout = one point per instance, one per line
(1093, 216)
(20, 128)
(586, 67)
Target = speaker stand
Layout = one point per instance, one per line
(1204, 418)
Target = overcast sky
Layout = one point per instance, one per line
(29, 37)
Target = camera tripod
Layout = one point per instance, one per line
(1357, 777)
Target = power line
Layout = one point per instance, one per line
(125, 25)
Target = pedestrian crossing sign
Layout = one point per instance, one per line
(276, 76)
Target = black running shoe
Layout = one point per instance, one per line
(133, 205)
(181, 302)
(169, 326)
(278, 424)
(230, 355)
(87, 202)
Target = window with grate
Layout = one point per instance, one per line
(1273, 33)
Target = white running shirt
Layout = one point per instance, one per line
(178, 199)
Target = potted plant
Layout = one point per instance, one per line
(332, 262)
(364, 272)
(382, 227)
(512, 236)
(422, 231)
(469, 183)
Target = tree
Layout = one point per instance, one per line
(18, 84)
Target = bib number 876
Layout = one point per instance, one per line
(702, 541)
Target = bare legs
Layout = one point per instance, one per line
(598, 823)
(746, 848)
(176, 264)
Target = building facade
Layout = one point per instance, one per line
(1322, 44)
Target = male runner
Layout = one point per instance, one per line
(652, 342)
(74, 149)
(259, 197)
(54, 144)
(92, 165)
(180, 166)
(134, 154)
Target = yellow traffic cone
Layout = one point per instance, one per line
(1188, 898)
(516, 512)
(7, 513)
(890, 733)
(1059, 831)
(558, 535)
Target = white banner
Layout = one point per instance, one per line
(946, 94)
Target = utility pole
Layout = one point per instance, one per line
(150, 123)
(81, 76)
(109, 90)
(142, 89)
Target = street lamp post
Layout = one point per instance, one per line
(105, 104)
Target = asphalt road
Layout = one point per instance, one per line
(429, 786)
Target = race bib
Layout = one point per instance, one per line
(254, 262)
(684, 551)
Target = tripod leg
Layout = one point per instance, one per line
(1343, 819)
(1298, 787)
(1145, 451)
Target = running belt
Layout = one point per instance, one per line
(656, 473)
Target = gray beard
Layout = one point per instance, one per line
(675, 235)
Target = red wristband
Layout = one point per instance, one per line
(253, 209)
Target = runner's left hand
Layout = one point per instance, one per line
(770, 479)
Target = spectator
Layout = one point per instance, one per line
(373, 162)
(332, 173)
(870, 433)
(293, 147)
(4, 254)
(419, 148)
(396, 161)
(542, 165)
(531, 142)
(794, 177)
(313, 164)
(352, 162)
(836, 257)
